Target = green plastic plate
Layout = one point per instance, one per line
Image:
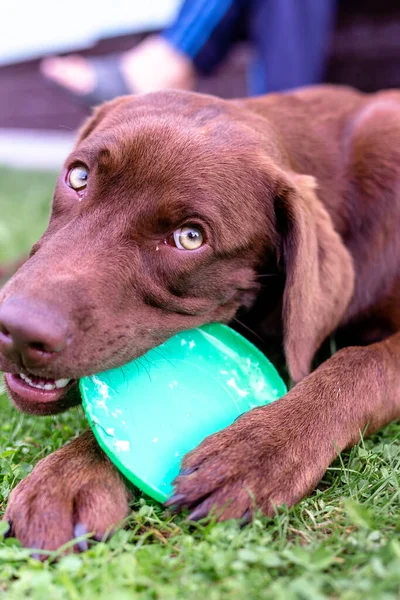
(147, 414)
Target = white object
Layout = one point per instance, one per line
(33, 28)
(33, 149)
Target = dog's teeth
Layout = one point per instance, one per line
(26, 378)
(45, 384)
(61, 383)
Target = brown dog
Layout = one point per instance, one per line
(166, 216)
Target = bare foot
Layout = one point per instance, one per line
(152, 65)
(72, 72)
(156, 65)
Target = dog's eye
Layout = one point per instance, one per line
(77, 178)
(187, 238)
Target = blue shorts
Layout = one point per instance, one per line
(289, 38)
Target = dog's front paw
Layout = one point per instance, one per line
(73, 492)
(269, 457)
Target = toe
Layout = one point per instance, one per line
(72, 72)
(100, 510)
(202, 510)
(49, 529)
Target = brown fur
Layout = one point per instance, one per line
(303, 186)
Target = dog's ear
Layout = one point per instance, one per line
(99, 115)
(319, 271)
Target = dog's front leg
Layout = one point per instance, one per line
(73, 491)
(276, 454)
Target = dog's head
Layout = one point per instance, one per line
(161, 218)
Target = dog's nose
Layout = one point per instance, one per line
(31, 334)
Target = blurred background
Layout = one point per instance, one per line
(230, 48)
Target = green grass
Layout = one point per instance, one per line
(24, 210)
(342, 542)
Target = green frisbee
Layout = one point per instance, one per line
(147, 414)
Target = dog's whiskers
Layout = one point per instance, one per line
(141, 363)
(248, 329)
(163, 357)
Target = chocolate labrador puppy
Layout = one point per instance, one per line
(167, 215)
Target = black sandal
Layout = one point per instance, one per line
(110, 82)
